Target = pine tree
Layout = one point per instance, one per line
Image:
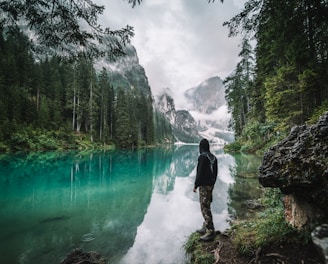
(43, 113)
(71, 95)
(103, 84)
(145, 119)
(238, 86)
(111, 112)
(93, 107)
(123, 136)
(83, 75)
(131, 101)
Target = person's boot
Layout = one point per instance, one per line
(201, 231)
(208, 237)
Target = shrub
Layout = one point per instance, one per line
(319, 112)
(255, 138)
(268, 227)
(233, 147)
(199, 255)
(47, 142)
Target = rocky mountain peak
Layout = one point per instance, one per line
(183, 124)
(206, 97)
(205, 114)
(126, 72)
(166, 102)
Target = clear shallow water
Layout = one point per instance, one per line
(138, 206)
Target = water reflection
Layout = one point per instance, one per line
(139, 206)
(48, 204)
(174, 210)
(246, 186)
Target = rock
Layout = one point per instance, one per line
(253, 204)
(298, 165)
(78, 256)
(320, 239)
(300, 213)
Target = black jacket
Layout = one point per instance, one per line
(207, 169)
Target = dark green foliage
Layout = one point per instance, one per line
(288, 97)
(255, 138)
(144, 120)
(238, 88)
(290, 79)
(124, 123)
(268, 228)
(318, 113)
(162, 128)
(40, 98)
(38, 139)
(196, 250)
(105, 103)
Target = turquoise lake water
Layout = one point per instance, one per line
(130, 206)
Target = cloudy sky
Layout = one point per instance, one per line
(180, 43)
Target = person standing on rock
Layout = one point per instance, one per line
(207, 170)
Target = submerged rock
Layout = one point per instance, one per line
(78, 256)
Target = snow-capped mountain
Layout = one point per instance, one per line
(205, 114)
(206, 103)
(206, 97)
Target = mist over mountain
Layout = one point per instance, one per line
(206, 109)
(207, 104)
(126, 72)
(206, 97)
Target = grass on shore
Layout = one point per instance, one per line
(267, 228)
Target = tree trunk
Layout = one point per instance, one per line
(90, 106)
(74, 101)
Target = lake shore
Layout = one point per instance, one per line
(224, 251)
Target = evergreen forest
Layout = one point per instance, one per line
(281, 79)
(53, 103)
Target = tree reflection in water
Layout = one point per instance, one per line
(138, 206)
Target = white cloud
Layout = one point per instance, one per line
(220, 115)
(180, 43)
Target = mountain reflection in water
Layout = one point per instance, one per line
(138, 206)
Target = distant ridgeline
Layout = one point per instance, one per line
(111, 102)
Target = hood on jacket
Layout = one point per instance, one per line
(204, 146)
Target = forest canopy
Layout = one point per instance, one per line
(51, 104)
(281, 81)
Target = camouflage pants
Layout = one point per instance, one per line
(205, 199)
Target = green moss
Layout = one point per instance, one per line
(267, 228)
(318, 113)
(255, 138)
(196, 250)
